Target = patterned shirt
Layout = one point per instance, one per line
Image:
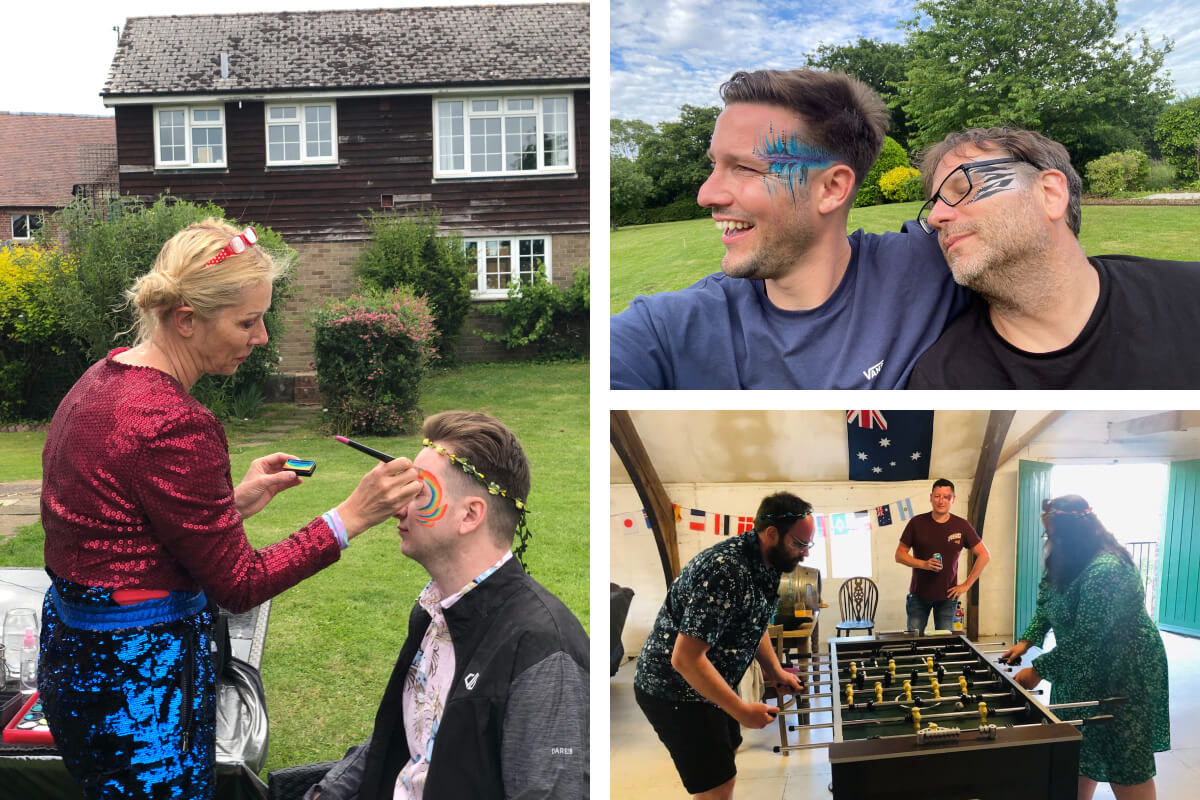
(430, 677)
(725, 596)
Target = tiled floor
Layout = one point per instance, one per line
(640, 768)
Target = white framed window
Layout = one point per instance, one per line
(503, 135)
(24, 226)
(301, 133)
(189, 136)
(501, 261)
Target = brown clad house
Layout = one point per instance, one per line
(308, 121)
(45, 160)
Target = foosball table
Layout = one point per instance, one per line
(932, 717)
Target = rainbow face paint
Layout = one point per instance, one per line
(790, 158)
(425, 516)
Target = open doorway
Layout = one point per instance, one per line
(1130, 499)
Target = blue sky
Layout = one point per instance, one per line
(665, 53)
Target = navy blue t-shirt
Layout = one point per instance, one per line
(723, 333)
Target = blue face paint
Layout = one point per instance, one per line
(789, 159)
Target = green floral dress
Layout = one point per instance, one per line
(1106, 646)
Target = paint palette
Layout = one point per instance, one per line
(29, 726)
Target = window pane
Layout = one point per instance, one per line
(318, 132)
(486, 155)
(283, 142)
(520, 143)
(554, 132)
(531, 259)
(172, 136)
(206, 146)
(497, 263)
(20, 226)
(283, 112)
(485, 105)
(206, 115)
(450, 135)
(35, 222)
(520, 104)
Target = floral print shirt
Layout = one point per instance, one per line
(725, 596)
(428, 684)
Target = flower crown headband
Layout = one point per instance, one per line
(522, 534)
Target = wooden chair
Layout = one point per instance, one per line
(858, 600)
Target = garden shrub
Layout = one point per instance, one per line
(108, 247)
(893, 184)
(1160, 176)
(1117, 172)
(1177, 134)
(891, 156)
(371, 352)
(33, 339)
(411, 251)
(553, 320)
(914, 188)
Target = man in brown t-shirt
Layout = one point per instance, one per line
(934, 584)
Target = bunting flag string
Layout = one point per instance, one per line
(721, 524)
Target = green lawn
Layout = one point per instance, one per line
(333, 639)
(673, 255)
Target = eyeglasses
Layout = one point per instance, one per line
(958, 184)
(237, 244)
(798, 545)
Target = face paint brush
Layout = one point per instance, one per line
(362, 448)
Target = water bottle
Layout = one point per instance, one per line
(29, 657)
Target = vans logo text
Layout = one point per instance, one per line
(469, 681)
(873, 371)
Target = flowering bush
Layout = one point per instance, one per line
(893, 184)
(371, 351)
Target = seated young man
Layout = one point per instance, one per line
(489, 697)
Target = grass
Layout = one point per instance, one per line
(333, 640)
(674, 255)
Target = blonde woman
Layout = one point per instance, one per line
(144, 526)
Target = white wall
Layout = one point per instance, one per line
(634, 560)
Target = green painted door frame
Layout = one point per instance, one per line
(1179, 564)
(1033, 486)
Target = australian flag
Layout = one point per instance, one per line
(889, 445)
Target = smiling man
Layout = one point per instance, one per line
(1005, 209)
(931, 544)
(712, 624)
(798, 304)
(489, 697)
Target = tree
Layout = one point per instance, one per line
(628, 188)
(625, 137)
(1056, 66)
(1177, 134)
(675, 157)
(879, 65)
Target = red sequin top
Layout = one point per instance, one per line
(137, 493)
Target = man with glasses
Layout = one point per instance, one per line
(798, 304)
(712, 624)
(931, 544)
(1005, 208)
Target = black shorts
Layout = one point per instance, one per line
(701, 739)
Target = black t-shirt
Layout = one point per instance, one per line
(1144, 333)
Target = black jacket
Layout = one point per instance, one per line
(516, 721)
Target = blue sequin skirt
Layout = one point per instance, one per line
(129, 692)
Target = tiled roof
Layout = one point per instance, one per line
(42, 156)
(361, 49)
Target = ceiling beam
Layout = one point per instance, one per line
(659, 512)
(1166, 422)
(1023, 441)
(981, 487)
